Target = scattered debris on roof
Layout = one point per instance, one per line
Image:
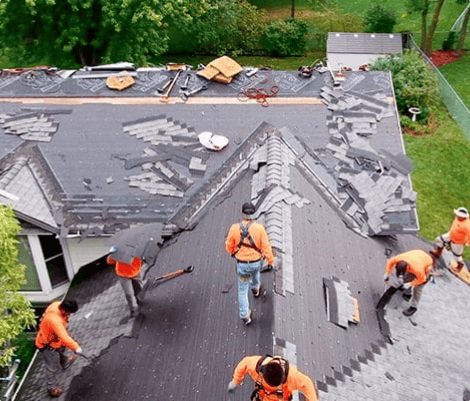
(120, 82)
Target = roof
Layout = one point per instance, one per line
(298, 160)
(365, 43)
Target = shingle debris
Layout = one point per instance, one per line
(372, 187)
(340, 303)
(30, 125)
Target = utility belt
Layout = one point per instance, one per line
(49, 348)
(248, 261)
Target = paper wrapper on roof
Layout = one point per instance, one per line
(211, 141)
(120, 82)
(221, 70)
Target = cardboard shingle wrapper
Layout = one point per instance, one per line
(221, 70)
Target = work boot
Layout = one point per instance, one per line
(55, 392)
(437, 252)
(410, 311)
(459, 267)
(256, 292)
(247, 320)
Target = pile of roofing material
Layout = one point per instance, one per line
(221, 70)
(170, 141)
(373, 186)
(32, 124)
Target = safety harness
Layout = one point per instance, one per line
(245, 234)
(279, 392)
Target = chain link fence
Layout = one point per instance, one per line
(457, 108)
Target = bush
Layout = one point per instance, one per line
(335, 20)
(286, 37)
(414, 82)
(379, 19)
(229, 27)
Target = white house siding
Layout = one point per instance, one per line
(86, 251)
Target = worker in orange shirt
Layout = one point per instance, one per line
(411, 270)
(456, 238)
(130, 278)
(53, 339)
(275, 379)
(248, 243)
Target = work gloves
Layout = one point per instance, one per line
(386, 277)
(407, 286)
(231, 387)
(79, 351)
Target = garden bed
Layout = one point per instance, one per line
(443, 57)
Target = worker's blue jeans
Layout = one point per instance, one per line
(248, 277)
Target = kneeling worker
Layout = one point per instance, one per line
(411, 270)
(275, 379)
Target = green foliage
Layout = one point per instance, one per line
(228, 27)
(450, 41)
(414, 82)
(17, 312)
(66, 32)
(379, 19)
(286, 37)
(335, 20)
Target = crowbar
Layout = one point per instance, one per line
(166, 96)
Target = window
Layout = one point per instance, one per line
(54, 259)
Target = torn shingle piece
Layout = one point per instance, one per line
(197, 167)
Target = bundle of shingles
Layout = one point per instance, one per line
(373, 186)
(222, 69)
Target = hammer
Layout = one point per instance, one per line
(166, 96)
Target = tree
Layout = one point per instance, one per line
(432, 28)
(422, 7)
(17, 311)
(286, 37)
(91, 31)
(379, 19)
(463, 29)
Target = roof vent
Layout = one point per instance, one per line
(372, 36)
(356, 35)
(337, 35)
(391, 36)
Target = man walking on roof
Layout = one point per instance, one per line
(52, 340)
(248, 243)
(130, 279)
(411, 270)
(275, 379)
(456, 238)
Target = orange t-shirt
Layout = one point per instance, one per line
(460, 231)
(125, 270)
(53, 330)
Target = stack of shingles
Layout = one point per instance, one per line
(372, 185)
(341, 307)
(170, 141)
(32, 126)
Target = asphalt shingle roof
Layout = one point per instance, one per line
(287, 158)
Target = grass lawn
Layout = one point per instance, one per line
(440, 176)
(457, 74)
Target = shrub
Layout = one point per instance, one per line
(335, 20)
(229, 27)
(414, 82)
(379, 19)
(286, 37)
